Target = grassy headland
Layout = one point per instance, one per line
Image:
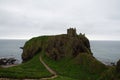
(68, 54)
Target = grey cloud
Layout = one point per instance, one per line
(28, 18)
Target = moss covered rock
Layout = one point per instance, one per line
(67, 46)
(75, 49)
(56, 47)
(33, 46)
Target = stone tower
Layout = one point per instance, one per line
(71, 32)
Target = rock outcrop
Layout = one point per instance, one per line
(7, 61)
(74, 48)
(33, 46)
(66, 45)
(56, 47)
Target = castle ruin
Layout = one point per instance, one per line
(71, 32)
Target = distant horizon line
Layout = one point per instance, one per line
(31, 38)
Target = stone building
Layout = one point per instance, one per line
(71, 32)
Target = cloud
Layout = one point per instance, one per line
(29, 18)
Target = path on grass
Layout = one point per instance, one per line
(46, 78)
(49, 69)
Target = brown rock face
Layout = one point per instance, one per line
(32, 47)
(67, 45)
(56, 47)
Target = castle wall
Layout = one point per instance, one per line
(71, 32)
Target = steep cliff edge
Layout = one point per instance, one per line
(56, 47)
(68, 55)
(74, 48)
(33, 46)
(67, 46)
(66, 51)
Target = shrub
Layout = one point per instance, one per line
(118, 67)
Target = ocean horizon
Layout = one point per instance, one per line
(105, 51)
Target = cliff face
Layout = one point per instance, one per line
(56, 47)
(33, 46)
(67, 46)
(72, 47)
(68, 51)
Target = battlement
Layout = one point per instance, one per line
(71, 32)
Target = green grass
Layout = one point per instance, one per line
(82, 67)
(63, 78)
(66, 67)
(30, 69)
(33, 46)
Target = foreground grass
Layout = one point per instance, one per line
(63, 78)
(71, 71)
(30, 69)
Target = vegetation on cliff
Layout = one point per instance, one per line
(118, 67)
(33, 46)
(83, 68)
(66, 46)
(68, 54)
(57, 47)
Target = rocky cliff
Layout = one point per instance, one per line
(73, 47)
(56, 47)
(67, 46)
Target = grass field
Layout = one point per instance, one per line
(66, 69)
(64, 78)
(30, 69)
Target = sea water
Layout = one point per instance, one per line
(11, 48)
(105, 51)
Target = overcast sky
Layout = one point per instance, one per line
(24, 19)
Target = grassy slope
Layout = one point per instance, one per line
(30, 69)
(63, 78)
(67, 68)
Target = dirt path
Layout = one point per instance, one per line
(49, 69)
(7, 66)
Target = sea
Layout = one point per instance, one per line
(105, 51)
(11, 48)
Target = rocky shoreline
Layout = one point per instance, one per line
(8, 62)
